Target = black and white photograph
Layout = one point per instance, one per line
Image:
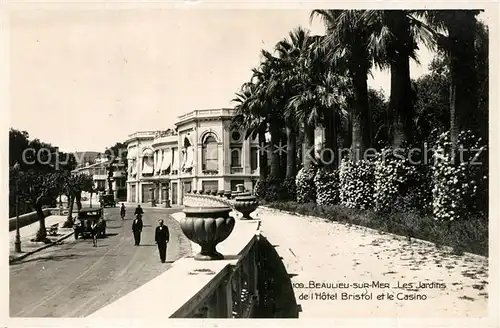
(184, 162)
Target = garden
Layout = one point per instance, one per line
(415, 164)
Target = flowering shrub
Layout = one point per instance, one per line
(459, 182)
(288, 190)
(327, 187)
(306, 191)
(273, 189)
(397, 182)
(356, 183)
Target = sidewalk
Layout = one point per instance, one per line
(329, 261)
(29, 232)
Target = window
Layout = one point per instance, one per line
(209, 154)
(210, 185)
(254, 155)
(187, 186)
(236, 136)
(236, 157)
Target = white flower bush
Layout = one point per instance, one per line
(306, 191)
(356, 183)
(327, 187)
(393, 176)
(459, 182)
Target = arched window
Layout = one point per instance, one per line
(210, 155)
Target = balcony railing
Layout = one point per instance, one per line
(236, 170)
(206, 113)
(142, 134)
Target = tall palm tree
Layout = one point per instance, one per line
(347, 38)
(461, 28)
(290, 50)
(248, 117)
(393, 42)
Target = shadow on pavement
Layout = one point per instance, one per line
(107, 235)
(47, 258)
(277, 299)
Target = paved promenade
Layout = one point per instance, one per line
(29, 231)
(327, 259)
(74, 279)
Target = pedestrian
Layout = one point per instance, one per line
(162, 236)
(137, 229)
(138, 210)
(94, 231)
(122, 211)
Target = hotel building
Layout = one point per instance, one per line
(201, 153)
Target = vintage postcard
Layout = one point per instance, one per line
(196, 160)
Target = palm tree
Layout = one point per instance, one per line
(290, 50)
(392, 43)
(347, 39)
(248, 118)
(458, 44)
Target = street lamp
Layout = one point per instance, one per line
(17, 243)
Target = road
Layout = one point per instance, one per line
(75, 279)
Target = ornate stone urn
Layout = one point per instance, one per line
(245, 204)
(207, 226)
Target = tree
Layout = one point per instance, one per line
(393, 42)
(36, 189)
(347, 39)
(458, 44)
(248, 117)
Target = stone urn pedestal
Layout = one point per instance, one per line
(207, 226)
(246, 204)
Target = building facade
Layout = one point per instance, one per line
(99, 172)
(202, 153)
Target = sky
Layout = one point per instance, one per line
(86, 80)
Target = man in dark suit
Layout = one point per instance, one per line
(137, 229)
(162, 236)
(138, 210)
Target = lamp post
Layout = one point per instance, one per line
(17, 243)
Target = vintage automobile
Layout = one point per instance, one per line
(83, 222)
(107, 200)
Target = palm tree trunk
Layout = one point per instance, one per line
(463, 92)
(275, 155)
(361, 118)
(291, 150)
(308, 153)
(330, 155)
(400, 101)
(263, 169)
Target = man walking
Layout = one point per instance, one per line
(138, 211)
(162, 236)
(137, 229)
(122, 211)
(94, 231)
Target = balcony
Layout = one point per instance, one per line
(236, 170)
(205, 113)
(142, 134)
